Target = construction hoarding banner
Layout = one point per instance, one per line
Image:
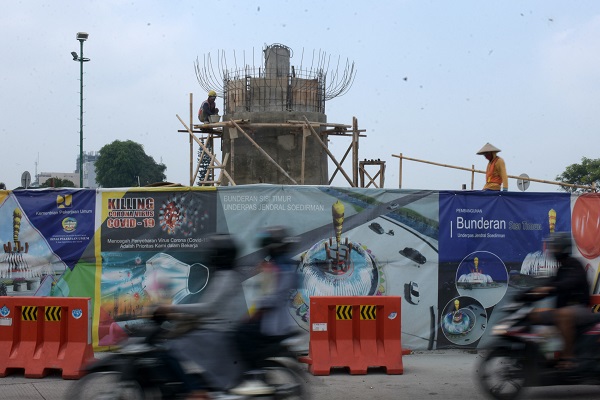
(452, 257)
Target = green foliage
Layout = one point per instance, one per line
(57, 183)
(121, 163)
(586, 174)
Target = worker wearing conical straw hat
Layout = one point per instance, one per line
(495, 173)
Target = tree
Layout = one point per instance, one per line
(57, 182)
(586, 174)
(124, 164)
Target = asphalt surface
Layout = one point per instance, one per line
(447, 375)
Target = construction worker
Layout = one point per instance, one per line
(495, 173)
(208, 107)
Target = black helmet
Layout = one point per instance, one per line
(559, 244)
(276, 240)
(221, 251)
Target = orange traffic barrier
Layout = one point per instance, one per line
(356, 333)
(595, 302)
(39, 334)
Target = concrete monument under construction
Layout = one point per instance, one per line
(269, 97)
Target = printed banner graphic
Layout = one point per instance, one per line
(452, 257)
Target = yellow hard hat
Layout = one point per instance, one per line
(212, 93)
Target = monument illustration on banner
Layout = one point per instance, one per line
(336, 266)
(16, 262)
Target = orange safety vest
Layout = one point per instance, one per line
(201, 115)
(489, 173)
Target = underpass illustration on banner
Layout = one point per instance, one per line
(463, 320)
(337, 266)
(151, 254)
(388, 248)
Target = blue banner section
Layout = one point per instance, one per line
(64, 218)
(510, 226)
(488, 244)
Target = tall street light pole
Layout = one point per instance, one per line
(82, 37)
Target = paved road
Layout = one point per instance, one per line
(447, 375)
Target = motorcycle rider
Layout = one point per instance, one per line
(572, 293)
(208, 349)
(271, 321)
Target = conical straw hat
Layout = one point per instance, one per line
(488, 148)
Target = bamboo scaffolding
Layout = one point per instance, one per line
(316, 136)
(355, 137)
(216, 130)
(341, 162)
(473, 171)
(214, 161)
(192, 180)
(380, 173)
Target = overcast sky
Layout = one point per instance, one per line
(435, 80)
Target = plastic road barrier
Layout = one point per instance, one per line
(355, 333)
(595, 302)
(39, 334)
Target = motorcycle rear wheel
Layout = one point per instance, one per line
(289, 383)
(502, 374)
(108, 385)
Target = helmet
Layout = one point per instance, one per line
(276, 240)
(212, 93)
(559, 244)
(221, 251)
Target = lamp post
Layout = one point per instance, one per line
(82, 37)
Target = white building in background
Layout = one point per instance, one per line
(89, 172)
(44, 176)
(89, 169)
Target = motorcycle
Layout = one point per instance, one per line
(525, 355)
(143, 369)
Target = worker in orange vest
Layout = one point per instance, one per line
(495, 173)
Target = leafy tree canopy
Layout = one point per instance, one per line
(57, 182)
(586, 173)
(121, 164)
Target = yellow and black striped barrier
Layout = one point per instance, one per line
(29, 313)
(356, 332)
(368, 313)
(52, 313)
(32, 340)
(595, 303)
(343, 312)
